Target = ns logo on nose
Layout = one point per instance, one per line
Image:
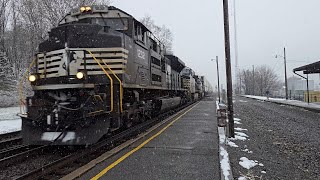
(141, 54)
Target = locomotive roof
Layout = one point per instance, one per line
(176, 63)
(100, 10)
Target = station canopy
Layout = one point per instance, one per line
(312, 68)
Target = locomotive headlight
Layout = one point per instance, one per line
(80, 75)
(32, 78)
(88, 8)
(82, 9)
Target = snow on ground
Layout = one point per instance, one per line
(287, 102)
(224, 156)
(9, 121)
(240, 129)
(247, 150)
(237, 121)
(9, 113)
(236, 137)
(242, 178)
(231, 144)
(10, 126)
(247, 163)
(241, 134)
(224, 162)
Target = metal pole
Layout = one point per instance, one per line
(253, 81)
(308, 88)
(218, 78)
(285, 71)
(228, 67)
(240, 84)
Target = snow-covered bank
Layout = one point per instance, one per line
(296, 103)
(9, 121)
(8, 98)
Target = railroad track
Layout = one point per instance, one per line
(70, 162)
(18, 154)
(9, 135)
(13, 150)
(9, 142)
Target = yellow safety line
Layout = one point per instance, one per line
(104, 171)
(111, 80)
(20, 84)
(121, 90)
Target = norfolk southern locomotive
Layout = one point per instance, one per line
(101, 70)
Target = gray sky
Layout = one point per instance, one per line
(264, 27)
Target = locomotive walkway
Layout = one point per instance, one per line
(186, 148)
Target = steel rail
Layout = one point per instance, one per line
(21, 156)
(13, 150)
(10, 141)
(9, 135)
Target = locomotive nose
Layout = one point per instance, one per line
(81, 36)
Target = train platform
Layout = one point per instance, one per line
(185, 148)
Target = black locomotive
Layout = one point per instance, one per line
(99, 71)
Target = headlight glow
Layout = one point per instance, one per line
(82, 9)
(32, 78)
(88, 8)
(80, 75)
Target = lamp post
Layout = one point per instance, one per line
(218, 77)
(285, 71)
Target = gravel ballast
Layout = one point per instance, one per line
(283, 141)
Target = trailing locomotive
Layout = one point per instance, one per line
(100, 70)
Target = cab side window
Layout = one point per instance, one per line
(140, 32)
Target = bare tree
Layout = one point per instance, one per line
(162, 33)
(259, 81)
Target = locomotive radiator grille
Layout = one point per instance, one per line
(116, 60)
(55, 63)
(50, 63)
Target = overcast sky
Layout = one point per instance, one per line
(264, 27)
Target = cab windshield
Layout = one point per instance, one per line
(114, 23)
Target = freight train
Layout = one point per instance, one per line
(101, 70)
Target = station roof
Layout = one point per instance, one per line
(312, 68)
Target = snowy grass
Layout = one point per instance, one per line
(9, 113)
(10, 126)
(9, 121)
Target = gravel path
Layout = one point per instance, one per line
(285, 139)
